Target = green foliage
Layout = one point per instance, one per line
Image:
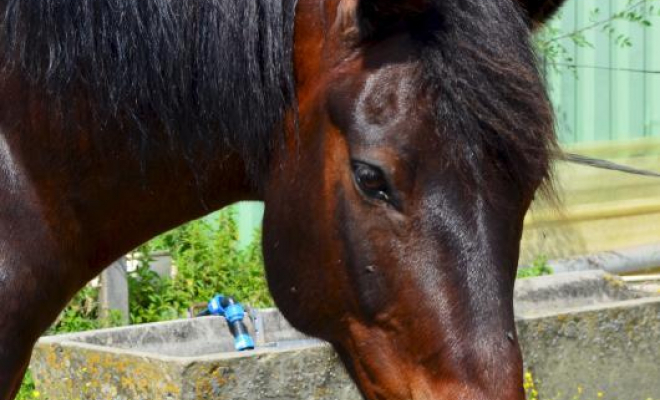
(83, 313)
(209, 260)
(553, 43)
(28, 390)
(150, 297)
(539, 267)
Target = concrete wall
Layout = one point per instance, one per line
(580, 332)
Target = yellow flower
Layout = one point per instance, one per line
(600, 395)
(36, 394)
(580, 389)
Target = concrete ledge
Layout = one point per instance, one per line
(569, 290)
(612, 349)
(584, 330)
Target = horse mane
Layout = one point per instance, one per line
(219, 71)
(490, 98)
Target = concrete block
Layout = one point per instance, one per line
(579, 332)
(570, 290)
(114, 290)
(612, 349)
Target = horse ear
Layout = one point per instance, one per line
(540, 11)
(365, 18)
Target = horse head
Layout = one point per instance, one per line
(394, 210)
(394, 198)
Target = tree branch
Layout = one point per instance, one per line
(595, 24)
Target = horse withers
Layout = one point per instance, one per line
(397, 146)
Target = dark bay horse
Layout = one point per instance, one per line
(397, 145)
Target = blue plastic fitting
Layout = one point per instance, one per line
(234, 313)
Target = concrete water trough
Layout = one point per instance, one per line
(584, 335)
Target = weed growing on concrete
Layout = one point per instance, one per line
(539, 267)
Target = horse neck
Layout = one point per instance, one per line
(97, 190)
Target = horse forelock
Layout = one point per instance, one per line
(489, 97)
(217, 71)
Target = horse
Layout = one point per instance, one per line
(397, 145)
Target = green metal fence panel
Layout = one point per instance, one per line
(652, 100)
(613, 91)
(249, 215)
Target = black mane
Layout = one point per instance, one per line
(491, 102)
(214, 70)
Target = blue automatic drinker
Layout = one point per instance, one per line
(234, 313)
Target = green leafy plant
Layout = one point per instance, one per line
(553, 42)
(539, 267)
(28, 391)
(83, 313)
(209, 259)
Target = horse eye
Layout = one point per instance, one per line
(371, 181)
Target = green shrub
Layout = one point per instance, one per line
(28, 390)
(209, 260)
(539, 267)
(83, 314)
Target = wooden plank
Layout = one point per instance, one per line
(601, 210)
(568, 237)
(641, 278)
(618, 149)
(591, 212)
